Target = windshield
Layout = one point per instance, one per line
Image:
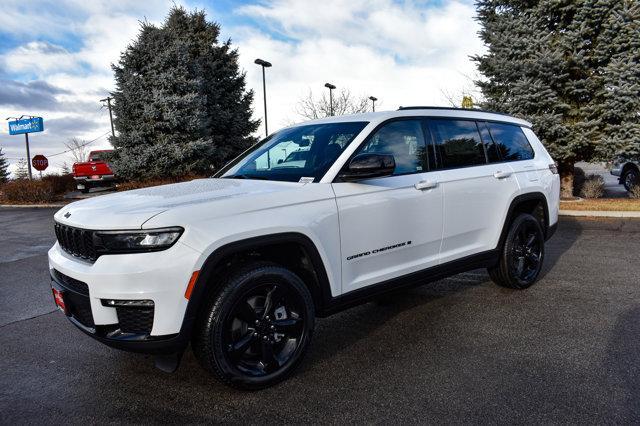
(294, 154)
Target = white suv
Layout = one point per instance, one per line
(241, 264)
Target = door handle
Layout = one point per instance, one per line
(426, 184)
(501, 175)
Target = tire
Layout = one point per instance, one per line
(521, 255)
(630, 179)
(246, 347)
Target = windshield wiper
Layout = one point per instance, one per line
(241, 176)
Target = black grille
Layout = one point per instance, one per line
(77, 242)
(71, 283)
(135, 320)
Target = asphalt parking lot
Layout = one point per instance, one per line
(459, 350)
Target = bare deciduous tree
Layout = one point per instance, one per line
(456, 97)
(312, 107)
(78, 149)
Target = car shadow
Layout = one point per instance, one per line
(569, 231)
(335, 334)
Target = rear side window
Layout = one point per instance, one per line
(405, 141)
(490, 147)
(457, 143)
(511, 142)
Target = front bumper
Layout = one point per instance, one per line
(161, 277)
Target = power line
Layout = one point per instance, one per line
(79, 146)
(68, 150)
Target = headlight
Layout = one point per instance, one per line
(110, 242)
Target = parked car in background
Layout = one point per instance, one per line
(627, 170)
(94, 173)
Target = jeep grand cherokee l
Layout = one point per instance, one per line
(241, 264)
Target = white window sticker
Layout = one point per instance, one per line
(304, 179)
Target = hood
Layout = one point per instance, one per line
(131, 209)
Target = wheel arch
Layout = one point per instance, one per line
(221, 261)
(629, 166)
(534, 203)
(626, 168)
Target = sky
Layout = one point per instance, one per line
(56, 56)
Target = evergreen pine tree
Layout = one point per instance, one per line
(22, 171)
(180, 101)
(65, 169)
(553, 63)
(4, 166)
(619, 96)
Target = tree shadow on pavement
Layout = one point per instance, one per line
(622, 361)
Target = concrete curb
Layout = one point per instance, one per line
(32, 206)
(594, 213)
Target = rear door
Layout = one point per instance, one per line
(476, 192)
(391, 226)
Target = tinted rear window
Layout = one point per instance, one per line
(490, 147)
(457, 143)
(511, 142)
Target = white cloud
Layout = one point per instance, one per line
(39, 57)
(82, 76)
(402, 54)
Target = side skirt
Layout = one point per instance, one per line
(356, 297)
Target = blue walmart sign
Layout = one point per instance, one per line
(28, 125)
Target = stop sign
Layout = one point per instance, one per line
(40, 162)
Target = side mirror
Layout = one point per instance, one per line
(280, 161)
(366, 166)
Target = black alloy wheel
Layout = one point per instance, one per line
(526, 252)
(256, 328)
(264, 329)
(521, 255)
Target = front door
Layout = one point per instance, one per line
(391, 226)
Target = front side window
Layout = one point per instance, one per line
(511, 142)
(405, 141)
(295, 153)
(457, 143)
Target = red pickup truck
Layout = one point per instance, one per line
(94, 173)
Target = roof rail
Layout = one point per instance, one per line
(403, 108)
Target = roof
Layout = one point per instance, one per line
(423, 111)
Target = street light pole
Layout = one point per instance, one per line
(373, 102)
(330, 87)
(264, 64)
